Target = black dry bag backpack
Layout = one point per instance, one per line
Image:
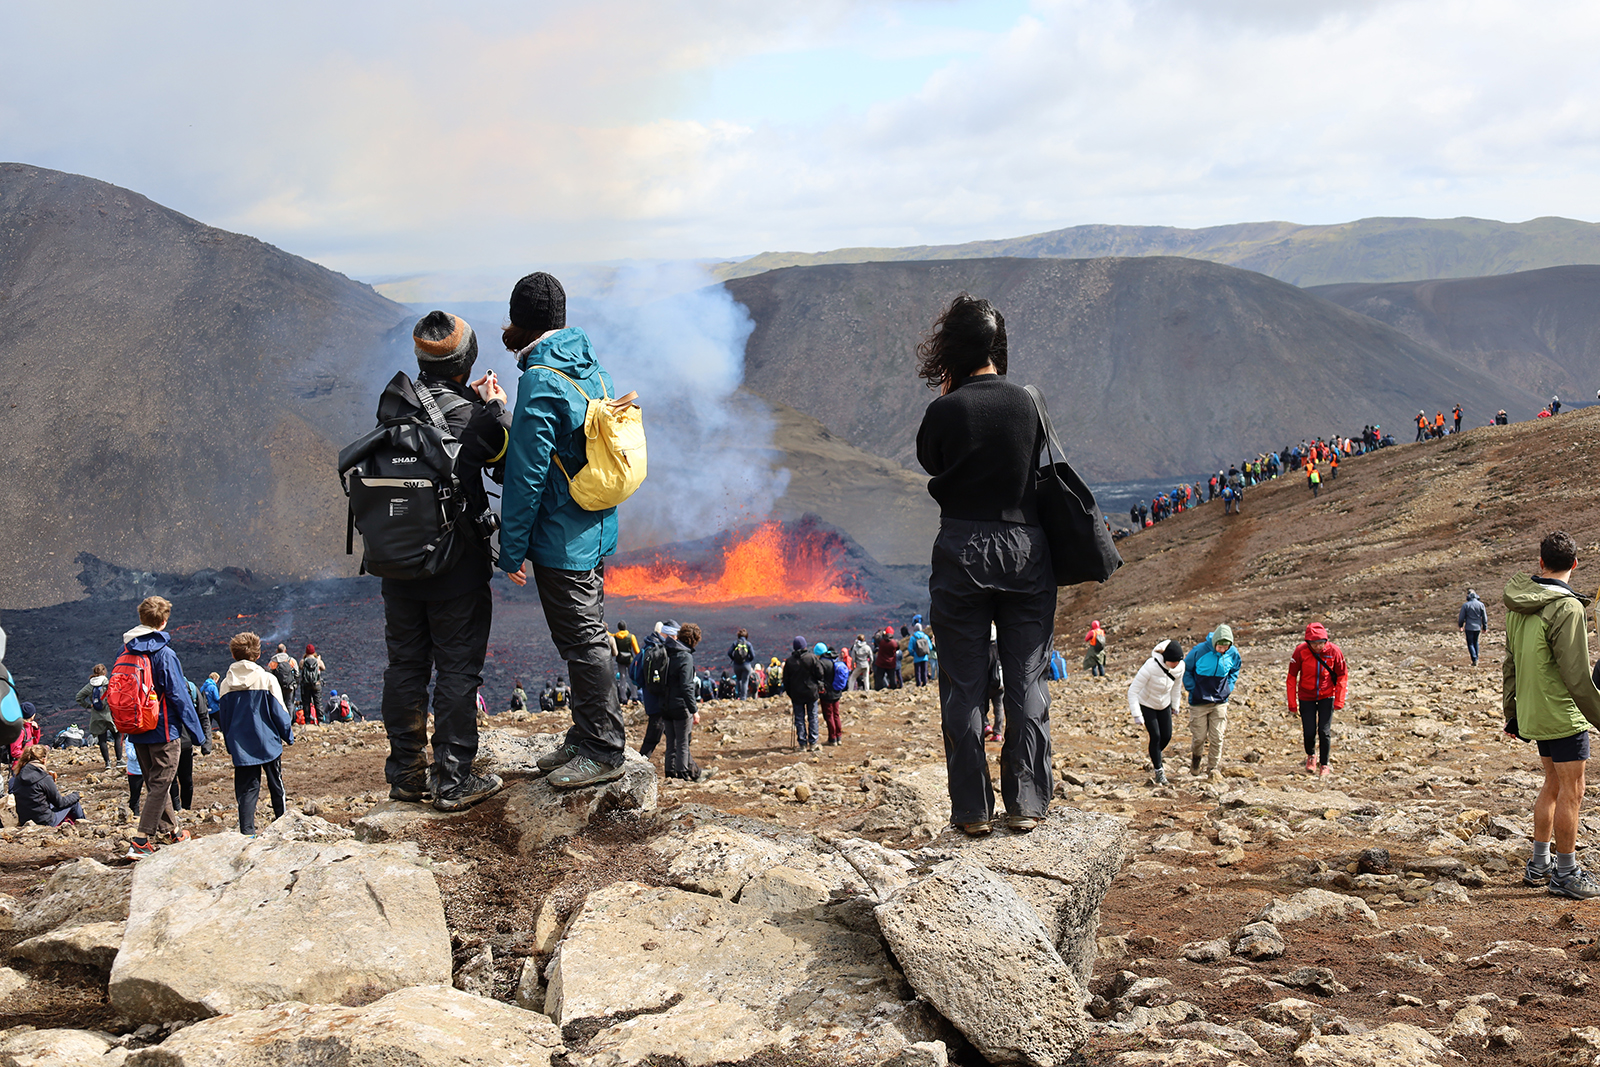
(401, 482)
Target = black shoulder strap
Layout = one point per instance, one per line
(436, 402)
(1052, 443)
(1162, 667)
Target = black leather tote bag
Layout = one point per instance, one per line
(1081, 547)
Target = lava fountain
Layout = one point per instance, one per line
(770, 564)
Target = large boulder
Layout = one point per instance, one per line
(300, 913)
(80, 892)
(636, 949)
(537, 813)
(729, 860)
(425, 1026)
(1063, 867)
(976, 949)
(915, 803)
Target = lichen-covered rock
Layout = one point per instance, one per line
(81, 892)
(537, 813)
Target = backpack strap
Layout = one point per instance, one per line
(603, 394)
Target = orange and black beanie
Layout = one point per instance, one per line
(445, 345)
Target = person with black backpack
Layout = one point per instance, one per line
(649, 672)
(311, 671)
(283, 667)
(743, 655)
(92, 698)
(434, 556)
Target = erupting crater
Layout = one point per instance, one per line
(804, 562)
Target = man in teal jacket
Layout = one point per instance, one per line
(1210, 671)
(543, 526)
(1549, 697)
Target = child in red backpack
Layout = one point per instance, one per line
(1318, 679)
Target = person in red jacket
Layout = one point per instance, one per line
(1318, 679)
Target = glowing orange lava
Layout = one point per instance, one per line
(767, 565)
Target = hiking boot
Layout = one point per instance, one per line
(584, 771)
(176, 838)
(706, 774)
(1020, 823)
(1538, 875)
(557, 759)
(140, 849)
(475, 788)
(976, 829)
(1311, 764)
(1215, 776)
(1161, 776)
(410, 794)
(1324, 770)
(1577, 883)
(1194, 766)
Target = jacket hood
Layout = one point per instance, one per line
(99, 680)
(1525, 596)
(568, 351)
(1221, 633)
(246, 674)
(145, 640)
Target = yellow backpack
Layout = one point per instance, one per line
(616, 450)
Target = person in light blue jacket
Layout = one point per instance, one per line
(1210, 671)
(544, 532)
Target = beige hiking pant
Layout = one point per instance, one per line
(1207, 723)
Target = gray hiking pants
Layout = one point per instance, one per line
(574, 608)
(994, 572)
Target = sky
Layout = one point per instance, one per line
(386, 139)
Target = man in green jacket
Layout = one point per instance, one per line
(1550, 698)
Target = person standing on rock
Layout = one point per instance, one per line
(438, 627)
(834, 678)
(886, 660)
(1472, 620)
(255, 726)
(1318, 680)
(980, 441)
(802, 680)
(92, 698)
(1153, 697)
(1210, 671)
(159, 748)
(1549, 697)
(548, 535)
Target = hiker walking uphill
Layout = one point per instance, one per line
(92, 698)
(1210, 671)
(1153, 697)
(1549, 697)
(1472, 620)
(1318, 680)
(437, 607)
(548, 534)
(743, 655)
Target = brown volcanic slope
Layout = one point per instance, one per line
(1152, 366)
(1391, 546)
(174, 394)
(1538, 327)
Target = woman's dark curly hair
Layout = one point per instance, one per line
(969, 334)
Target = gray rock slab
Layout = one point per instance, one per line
(978, 951)
(60, 1048)
(11, 981)
(1394, 1045)
(90, 945)
(422, 1026)
(634, 948)
(914, 802)
(390, 820)
(697, 1031)
(537, 813)
(1318, 904)
(1259, 941)
(80, 892)
(300, 913)
(1063, 868)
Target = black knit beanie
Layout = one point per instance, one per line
(1173, 652)
(538, 303)
(445, 345)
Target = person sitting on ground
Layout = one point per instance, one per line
(1153, 697)
(680, 710)
(255, 727)
(1318, 680)
(38, 799)
(92, 698)
(1550, 697)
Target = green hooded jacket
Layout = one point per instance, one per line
(1548, 692)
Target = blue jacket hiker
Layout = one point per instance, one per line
(546, 534)
(1210, 671)
(159, 750)
(255, 726)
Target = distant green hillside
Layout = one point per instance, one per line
(1368, 250)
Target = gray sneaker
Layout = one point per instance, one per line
(583, 771)
(1537, 875)
(557, 759)
(477, 787)
(1577, 883)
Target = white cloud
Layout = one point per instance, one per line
(385, 138)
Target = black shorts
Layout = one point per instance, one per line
(1572, 749)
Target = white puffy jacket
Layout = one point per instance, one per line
(1155, 686)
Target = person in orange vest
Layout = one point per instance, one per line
(1438, 424)
(1333, 466)
(1457, 414)
(1313, 479)
(1422, 425)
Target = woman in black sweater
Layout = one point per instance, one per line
(680, 707)
(980, 441)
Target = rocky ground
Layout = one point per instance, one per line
(1425, 822)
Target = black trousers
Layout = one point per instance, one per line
(994, 572)
(183, 784)
(247, 791)
(1158, 723)
(424, 636)
(679, 763)
(1316, 722)
(652, 722)
(574, 608)
(311, 696)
